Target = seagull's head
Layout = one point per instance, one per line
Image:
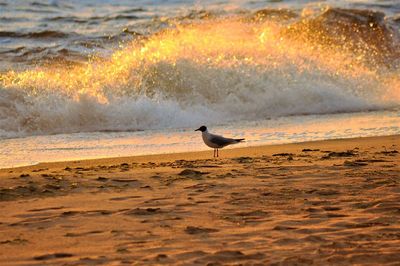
(202, 129)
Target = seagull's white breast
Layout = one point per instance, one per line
(206, 138)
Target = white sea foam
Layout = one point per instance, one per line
(210, 96)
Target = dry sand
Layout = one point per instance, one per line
(329, 202)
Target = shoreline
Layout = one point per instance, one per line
(326, 202)
(202, 154)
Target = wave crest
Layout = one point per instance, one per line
(212, 70)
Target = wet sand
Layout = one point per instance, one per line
(328, 202)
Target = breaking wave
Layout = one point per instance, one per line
(210, 68)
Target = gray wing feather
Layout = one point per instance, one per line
(221, 141)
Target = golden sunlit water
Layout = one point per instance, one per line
(157, 63)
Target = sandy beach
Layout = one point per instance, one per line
(333, 202)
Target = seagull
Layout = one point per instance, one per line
(214, 141)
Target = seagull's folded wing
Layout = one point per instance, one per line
(221, 141)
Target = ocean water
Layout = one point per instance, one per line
(95, 78)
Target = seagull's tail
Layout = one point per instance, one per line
(239, 140)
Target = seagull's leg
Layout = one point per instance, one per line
(214, 153)
(217, 153)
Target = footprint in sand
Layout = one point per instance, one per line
(125, 198)
(47, 209)
(53, 256)
(146, 211)
(193, 230)
(192, 173)
(83, 233)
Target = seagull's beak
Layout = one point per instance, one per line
(197, 129)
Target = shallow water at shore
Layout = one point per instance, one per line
(65, 147)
